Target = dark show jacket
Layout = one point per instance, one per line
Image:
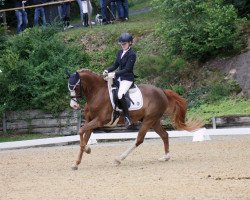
(125, 64)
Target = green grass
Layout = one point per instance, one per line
(25, 136)
(226, 107)
(100, 42)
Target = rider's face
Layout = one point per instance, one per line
(125, 45)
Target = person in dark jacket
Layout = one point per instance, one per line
(39, 12)
(125, 60)
(21, 15)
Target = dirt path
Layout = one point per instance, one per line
(217, 169)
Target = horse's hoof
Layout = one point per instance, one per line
(164, 158)
(88, 150)
(74, 167)
(117, 161)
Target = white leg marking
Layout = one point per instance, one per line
(127, 152)
(124, 155)
(164, 158)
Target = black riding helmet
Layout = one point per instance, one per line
(125, 37)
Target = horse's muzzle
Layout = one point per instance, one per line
(74, 105)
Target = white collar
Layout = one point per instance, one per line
(124, 51)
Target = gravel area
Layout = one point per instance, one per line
(216, 169)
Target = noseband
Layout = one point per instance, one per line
(75, 97)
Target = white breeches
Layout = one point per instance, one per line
(124, 87)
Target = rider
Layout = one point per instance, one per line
(125, 60)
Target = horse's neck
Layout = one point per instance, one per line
(92, 84)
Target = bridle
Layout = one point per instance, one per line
(73, 95)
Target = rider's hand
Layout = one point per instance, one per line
(105, 73)
(111, 75)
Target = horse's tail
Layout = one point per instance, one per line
(177, 109)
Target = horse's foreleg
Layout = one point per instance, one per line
(140, 138)
(84, 137)
(85, 133)
(164, 136)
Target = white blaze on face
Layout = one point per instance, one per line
(73, 102)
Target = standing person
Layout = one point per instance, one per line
(113, 8)
(21, 15)
(81, 9)
(65, 15)
(39, 12)
(125, 8)
(125, 60)
(86, 12)
(108, 12)
(103, 11)
(122, 8)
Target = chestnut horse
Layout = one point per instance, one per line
(98, 111)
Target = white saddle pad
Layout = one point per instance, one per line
(135, 95)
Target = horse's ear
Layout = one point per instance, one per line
(67, 73)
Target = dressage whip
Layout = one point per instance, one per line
(111, 12)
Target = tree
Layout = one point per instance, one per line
(199, 30)
(33, 67)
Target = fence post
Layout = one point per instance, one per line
(214, 123)
(4, 124)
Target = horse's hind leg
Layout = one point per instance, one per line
(164, 136)
(139, 140)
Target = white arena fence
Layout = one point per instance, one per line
(199, 135)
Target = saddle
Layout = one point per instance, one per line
(133, 98)
(114, 90)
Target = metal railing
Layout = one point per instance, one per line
(3, 11)
(34, 6)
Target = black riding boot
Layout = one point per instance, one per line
(125, 111)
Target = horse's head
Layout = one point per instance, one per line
(83, 82)
(74, 86)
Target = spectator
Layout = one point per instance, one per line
(39, 12)
(85, 12)
(103, 11)
(64, 12)
(108, 12)
(125, 8)
(21, 15)
(122, 7)
(81, 9)
(113, 8)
